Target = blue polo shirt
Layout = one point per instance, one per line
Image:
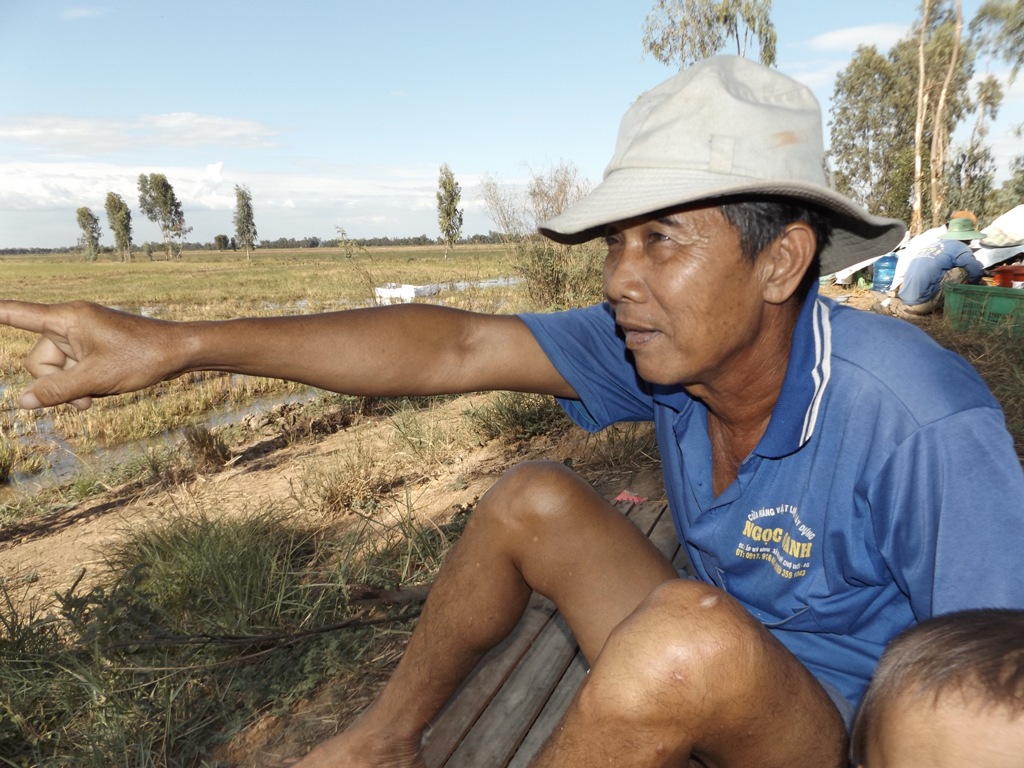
(924, 274)
(886, 488)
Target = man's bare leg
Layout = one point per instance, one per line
(690, 675)
(540, 527)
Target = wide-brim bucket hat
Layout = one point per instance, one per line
(963, 229)
(725, 128)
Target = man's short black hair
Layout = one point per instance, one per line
(760, 222)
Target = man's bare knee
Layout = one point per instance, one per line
(684, 635)
(690, 668)
(531, 496)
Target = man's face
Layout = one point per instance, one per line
(954, 732)
(686, 298)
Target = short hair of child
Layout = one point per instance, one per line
(978, 653)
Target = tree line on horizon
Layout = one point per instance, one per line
(159, 203)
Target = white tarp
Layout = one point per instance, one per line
(1007, 230)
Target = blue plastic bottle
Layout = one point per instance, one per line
(883, 272)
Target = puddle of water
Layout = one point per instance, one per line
(63, 463)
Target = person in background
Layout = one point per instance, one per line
(948, 260)
(948, 692)
(911, 247)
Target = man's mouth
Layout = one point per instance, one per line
(637, 336)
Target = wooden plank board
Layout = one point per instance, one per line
(506, 709)
(462, 712)
(552, 713)
(500, 729)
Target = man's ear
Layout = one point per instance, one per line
(786, 260)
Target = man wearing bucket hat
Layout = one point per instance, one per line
(825, 502)
(949, 260)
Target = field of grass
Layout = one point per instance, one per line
(210, 285)
(221, 284)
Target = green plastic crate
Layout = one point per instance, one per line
(984, 306)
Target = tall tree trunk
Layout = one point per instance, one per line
(917, 215)
(940, 139)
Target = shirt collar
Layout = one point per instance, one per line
(807, 375)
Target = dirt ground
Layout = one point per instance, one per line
(47, 553)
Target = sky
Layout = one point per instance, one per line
(339, 113)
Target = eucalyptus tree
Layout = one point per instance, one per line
(119, 217)
(161, 206)
(449, 215)
(998, 29)
(90, 239)
(874, 118)
(245, 223)
(681, 32)
(971, 170)
(871, 120)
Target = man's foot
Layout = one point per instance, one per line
(358, 748)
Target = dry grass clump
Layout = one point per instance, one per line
(198, 625)
(999, 358)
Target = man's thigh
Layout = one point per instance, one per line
(571, 545)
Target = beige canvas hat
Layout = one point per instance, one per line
(724, 127)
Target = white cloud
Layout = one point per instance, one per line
(367, 201)
(882, 36)
(82, 135)
(188, 129)
(74, 14)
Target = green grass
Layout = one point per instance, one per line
(221, 283)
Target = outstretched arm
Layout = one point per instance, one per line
(85, 351)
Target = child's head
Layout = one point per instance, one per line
(947, 691)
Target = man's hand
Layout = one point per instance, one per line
(85, 350)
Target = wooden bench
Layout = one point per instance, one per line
(512, 701)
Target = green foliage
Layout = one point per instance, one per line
(221, 242)
(683, 32)
(90, 239)
(873, 113)
(998, 28)
(161, 206)
(119, 217)
(245, 224)
(449, 215)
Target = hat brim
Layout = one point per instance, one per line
(970, 234)
(628, 193)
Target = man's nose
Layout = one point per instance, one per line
(623, 277)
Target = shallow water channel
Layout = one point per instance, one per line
(64, 463)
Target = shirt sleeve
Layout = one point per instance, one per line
(586, 349)
(968, 261)
(949, 515)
